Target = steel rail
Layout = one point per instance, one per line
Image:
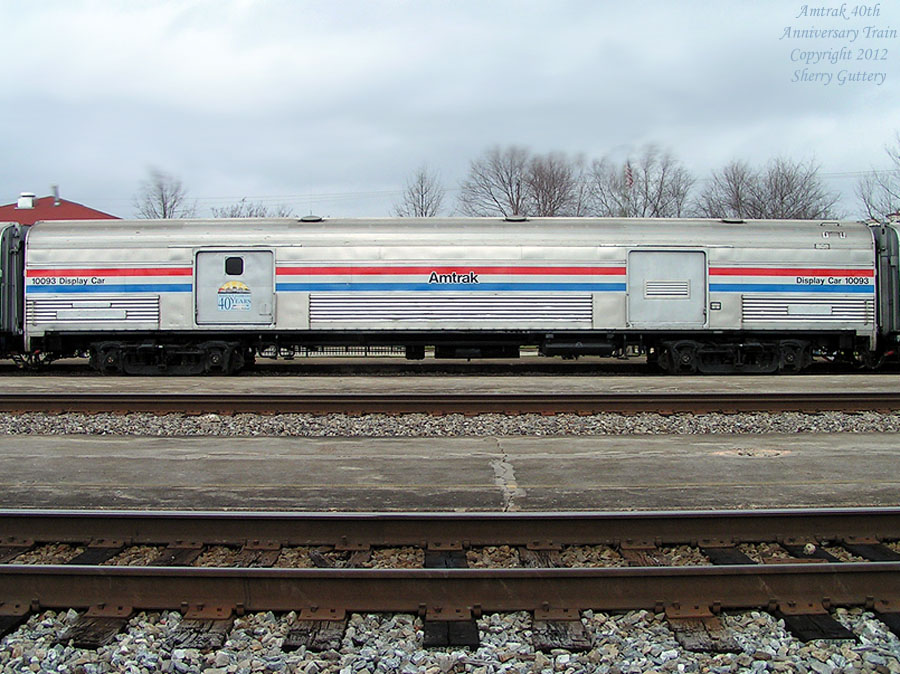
(448, 403)
(426, 591)
(351, 531)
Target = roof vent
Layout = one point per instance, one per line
(733, 221)
(26, 200)
(311, 218)
(515, 218)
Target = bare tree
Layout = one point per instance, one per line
(497, 183)
(422, 197)
(655, 185)
(785, 189)
(557, 186)
(252, 209)
(512, 181)
(789, 190)
(728, 192)
(163, 196)
(879, 191)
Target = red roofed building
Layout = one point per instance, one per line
(30, 209)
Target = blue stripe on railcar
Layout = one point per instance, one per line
(786, 288)
(117, 288)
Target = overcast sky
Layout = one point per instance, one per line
(328, 106)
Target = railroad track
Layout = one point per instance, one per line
(449, 403)
(799, 586)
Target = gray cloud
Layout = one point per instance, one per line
(329, 106)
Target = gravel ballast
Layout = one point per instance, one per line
(637, 641)
(451, 425)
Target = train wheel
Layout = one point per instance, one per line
(106, 357)
(682, 356)
(223, 357)
(237, 360)
(794, 355)
(216, 357)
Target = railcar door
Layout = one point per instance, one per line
(666, 289)
(235, 287)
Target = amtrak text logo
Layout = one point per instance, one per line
(453, 277)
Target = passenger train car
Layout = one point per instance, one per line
(195, 296)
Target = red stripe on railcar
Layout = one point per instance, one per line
(766, 271)
(161, 271)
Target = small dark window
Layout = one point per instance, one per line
(234, 266)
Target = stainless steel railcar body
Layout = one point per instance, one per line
(675, 289)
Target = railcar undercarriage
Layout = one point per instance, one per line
(752, 356)
(152, 358)
(684, 353)
(680, 353)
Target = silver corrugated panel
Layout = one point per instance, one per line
(804, 310)
(327, 307)
(667, 289)
(93, 310)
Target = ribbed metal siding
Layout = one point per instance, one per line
(94, 310)
(806, 310)
(667, 288)
(327, 307)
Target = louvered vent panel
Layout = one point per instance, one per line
(667, 289)
(796, 310)
(327, 308)
(122, 310)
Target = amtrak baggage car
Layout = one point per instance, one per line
(694, 295)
